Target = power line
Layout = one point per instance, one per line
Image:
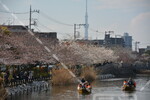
(54, 20)
(44, 26)
(14, 12)
(41, 24)
(93, 30)
(37, 28)
(144, 44)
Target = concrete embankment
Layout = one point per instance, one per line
(124, 70)
(26, 89)
(105, 76)
(116, 70)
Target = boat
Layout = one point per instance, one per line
(128, 87)
(84, 88)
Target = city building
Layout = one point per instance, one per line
(22, 29)
(16, 28)
(113, 41)
(47, 37)
(127, 40)
(108, 41)
(52, 35)
(98, 42)
(143, 50)
(148, 48)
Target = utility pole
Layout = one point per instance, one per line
(96, 35)
(75, 29)
(30, 17)
(96, 31)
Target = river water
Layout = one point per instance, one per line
(108, 89)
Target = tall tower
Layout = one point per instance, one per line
(86, 23)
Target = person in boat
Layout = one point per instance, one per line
(83, 80)
(125, 82)
(131, 82)
(88, 85)
(84, 83)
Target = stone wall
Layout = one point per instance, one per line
(116, 70)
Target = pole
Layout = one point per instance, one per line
(115, 39)
(30, 18)
(74, 31)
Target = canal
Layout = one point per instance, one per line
(108, 89)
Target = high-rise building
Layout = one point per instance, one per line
(127, 40)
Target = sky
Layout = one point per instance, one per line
(131, 16)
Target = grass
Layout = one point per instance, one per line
(61, 77)
(3, 93)
(89, 74)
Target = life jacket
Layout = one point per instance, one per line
(88, 86)
(135, 84)
(80, 85)
(125, 82)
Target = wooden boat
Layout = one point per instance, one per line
(128, 87)
(84, 88)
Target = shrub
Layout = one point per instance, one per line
(89, 74)
(4, 31)
(1, 80)
(3, 92)
(61, 77)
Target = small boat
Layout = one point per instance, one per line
(128, 87)
(84, 88)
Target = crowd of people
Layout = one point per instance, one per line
(14, 76)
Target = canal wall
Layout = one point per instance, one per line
(115, 70)
(14, 83)
(25, 89)
(123, 69)
(105, 76)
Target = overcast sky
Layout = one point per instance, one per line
(132, 16)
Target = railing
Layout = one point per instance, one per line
(106, 76)
(17, 82)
